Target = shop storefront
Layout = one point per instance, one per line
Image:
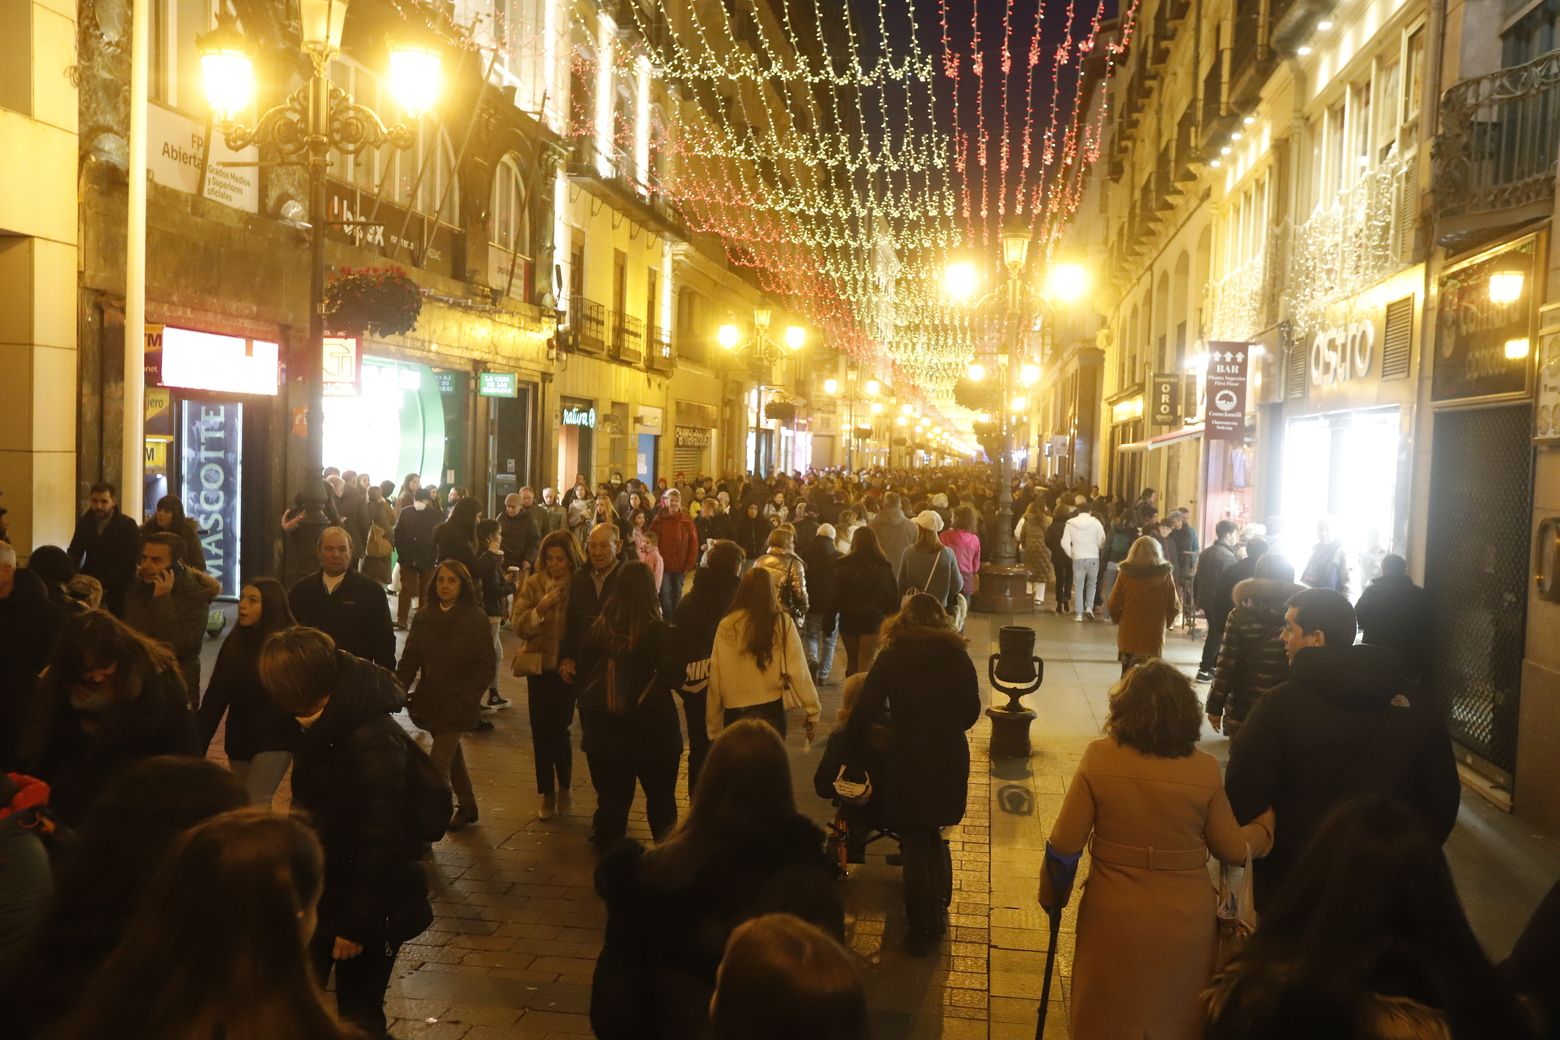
(207, 395)
(647, 443)
(509, 436)
(386, 417)
(576, 440)
(1347, 421)
(1481, 496)
(693, 440)
(1126, 445)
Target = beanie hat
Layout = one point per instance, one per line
(929, 520)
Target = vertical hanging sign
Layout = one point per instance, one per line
(1226, 391)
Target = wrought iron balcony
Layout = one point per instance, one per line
(628, 338)
(587, 326)
(1495, 156)
(662, 356)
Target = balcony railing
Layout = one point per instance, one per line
(587, 323)
(628, 338)
(661, 357)
(1499, 135)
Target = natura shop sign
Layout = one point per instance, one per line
(1484, 324)
(579, 415)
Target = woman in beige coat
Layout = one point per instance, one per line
(1152, 811)
(539, 610)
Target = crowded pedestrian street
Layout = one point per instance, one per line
(518, 925)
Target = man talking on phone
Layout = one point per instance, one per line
(169, 602)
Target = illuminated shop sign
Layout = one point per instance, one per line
(579, 415)
(194, 360)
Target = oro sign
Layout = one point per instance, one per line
(1226, 391)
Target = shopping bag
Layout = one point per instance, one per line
(1237, 908)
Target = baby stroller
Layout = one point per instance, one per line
(860, 803)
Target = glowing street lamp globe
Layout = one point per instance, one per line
(874, 388)
(416, 75)
(728, 336)
(795, 337)
(227, 71)
(960, 281)
(831, 386)
(1067, 283)
(977, 372)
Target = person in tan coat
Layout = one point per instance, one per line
(1143, 603)
(539, 611)
(1151, 810)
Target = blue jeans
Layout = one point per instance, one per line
(671, 594)
(1107, 583)
(1086, 576)
(819, 634)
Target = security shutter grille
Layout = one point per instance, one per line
(688, 460)
(1296, 364)
(1476, 572)
(1398, 348)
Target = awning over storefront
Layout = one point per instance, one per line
(1163, 439)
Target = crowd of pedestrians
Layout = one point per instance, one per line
(705, 619)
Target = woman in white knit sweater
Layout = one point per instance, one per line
(756, 646)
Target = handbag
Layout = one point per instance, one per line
(1237, 908)
(788, 695)
(378, 543)
(526, 662)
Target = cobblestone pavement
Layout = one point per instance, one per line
(517, 924)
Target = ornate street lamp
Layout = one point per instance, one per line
(762, 353)
(316, 120)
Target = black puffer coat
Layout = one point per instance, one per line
(254, 723)
(1394, 612)
(29, 624)
(671, 909)
(1252, 659)
(350, 776)
(821, 557)
(927, 683)
(866, 592)
(78, 765)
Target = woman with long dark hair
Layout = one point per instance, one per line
(750, 531)
(924, 679)
(626, 710)
(410, 485)
(450, 648)
(539, 611)
(111, 697)
(758, 667)
(169, 518)
(783, 978)
(1366, 940)
(260, 737)
(742, 851)
(217, 948)
(456, 538)
(867, 592)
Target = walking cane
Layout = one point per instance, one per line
(1050, 966)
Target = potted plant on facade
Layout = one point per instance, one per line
(382, 301)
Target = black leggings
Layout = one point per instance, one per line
(550, 701)
(928, 878)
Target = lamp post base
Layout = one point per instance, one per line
(1004, 589)
(1010, 732)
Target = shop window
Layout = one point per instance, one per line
(1362, 129)
(1413, 82)
(509, 224)
(1389, 112)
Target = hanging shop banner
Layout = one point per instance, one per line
(211, 474)
(339, 366)
(1226, 391)
(1165, 400)
(1484, 324)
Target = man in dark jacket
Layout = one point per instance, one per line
(169, 602)
(29, 623)
(588, 591)
(414, 547)
(805, 521)
(820, 630)
(351, 774)
(1347, 723)
(1394, 612)
(693, 640)
(107, 545)
(1224, 599)
(1211, 565)
(351, 609)
(518, 533)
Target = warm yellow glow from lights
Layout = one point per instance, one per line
(831, 386)
(906, 409)
(1236, 135)
(1067, 283)
(1517, 349)
(795, 337)
(877, 407)
(1506, 286)
(961, 281)
(1249, 120)
(1020, 403)
(874, 388)
(901, 421)
(977, 372)
(416, 76)
(1029, 374)
(229, 77)
(1303, 50)
(321, 23)
(1126, 410)
(1324, 25)
(728, 336)
(1216, 164)
(983, 417)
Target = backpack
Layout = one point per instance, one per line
(1121, 542)
(429, 802)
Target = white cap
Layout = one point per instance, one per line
(929, 520)
(827, 531)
